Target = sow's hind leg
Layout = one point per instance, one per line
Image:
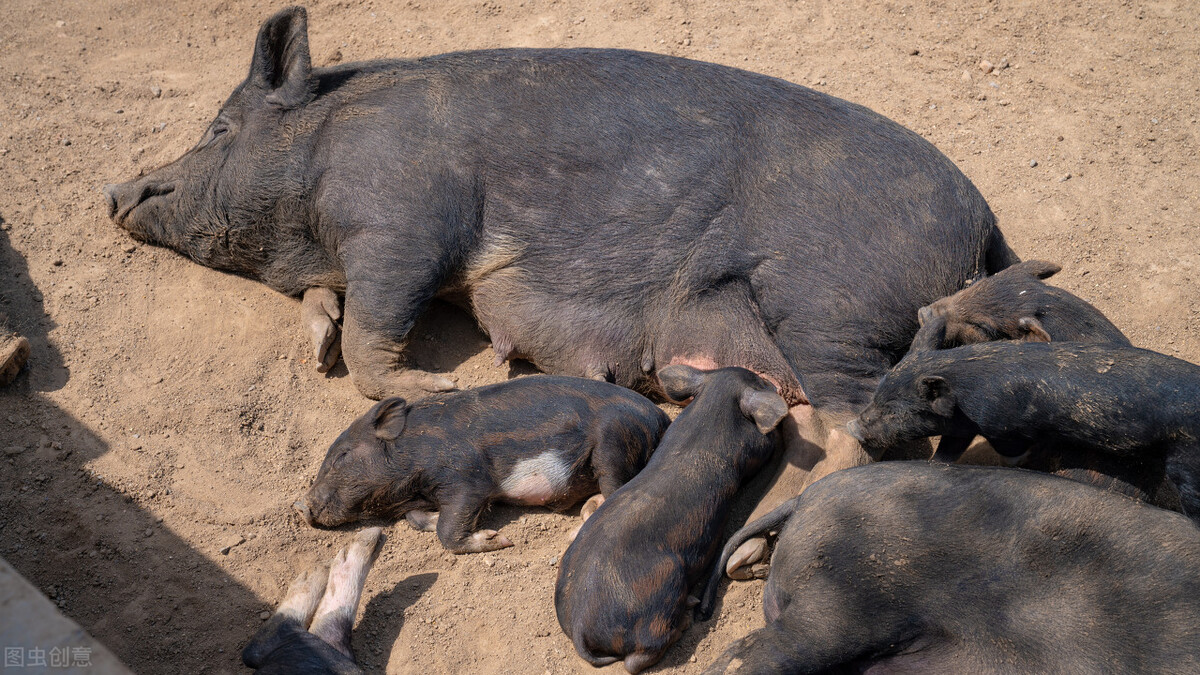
(374, 349)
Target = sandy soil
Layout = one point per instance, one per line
(169, 411)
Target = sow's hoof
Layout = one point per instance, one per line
(14, 352)
(749, 561)
(406, 383)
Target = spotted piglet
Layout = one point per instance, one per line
(626, 585)
(541, 440)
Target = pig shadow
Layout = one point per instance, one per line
(95, 548)
(383, 619)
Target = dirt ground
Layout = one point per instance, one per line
(169, 411)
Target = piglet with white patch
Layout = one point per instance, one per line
(541, 440)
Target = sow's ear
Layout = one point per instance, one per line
(281, 66)
(390, 417)
(766, 408)
(936, 390)
(680, 382)
(1036, 268)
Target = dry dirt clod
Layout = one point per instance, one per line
(986, 66)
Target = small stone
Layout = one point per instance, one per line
(156, 91)
(60, 24)
(230, 542)
(149, 531)
(1003, 63)
(914, 52)
(1032, 163)
(264, 615)
(1065, 177)
(57, 262)
(1003, 101)
(120, 111)
(66, 142)
(13, 450)
(986, 66)
(130, 249)
(1060, 138)
(966, 76)
(553, 560)
(489, 562)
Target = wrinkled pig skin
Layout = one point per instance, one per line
(544, 440)
(914, 567)
(626, 584)
(602, 212)
(1136, 411)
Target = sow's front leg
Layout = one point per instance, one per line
(373, 339)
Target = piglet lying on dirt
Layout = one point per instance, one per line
(310, 632)
(542, 440)
(926, 568)
(1132, 405)
(625, 585)
(1013, 304)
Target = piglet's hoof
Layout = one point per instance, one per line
(741, 565)
(484, 541)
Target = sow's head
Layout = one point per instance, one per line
(217, 203)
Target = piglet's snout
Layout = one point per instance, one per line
(855, 430)
(304, 510)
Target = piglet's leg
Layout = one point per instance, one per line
(456, 521)
(319, 312)
(422, 521)
(334, 617)
(304, 594)
(589, 507)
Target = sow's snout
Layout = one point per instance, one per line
(123, 198)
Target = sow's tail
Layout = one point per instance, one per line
(998, 254)
(771, 521)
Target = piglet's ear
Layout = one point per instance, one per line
(1032, 330)
(931, 337)
(936, 390)
(281, 66)
(766, 408)
(390, 417)
(1036, 268)
(681, 382)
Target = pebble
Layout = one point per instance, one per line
(149, 531)
(489, 562)
(1065, 177)
(553, 560)
(914, 52)
(230, 542)
(986, 66)
(130, 249)
(264, 615)
(1032, 163)
(13, 450)
(966, 76)
(58, 262)
(156, 91)
(158, 127)
(66, 141)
